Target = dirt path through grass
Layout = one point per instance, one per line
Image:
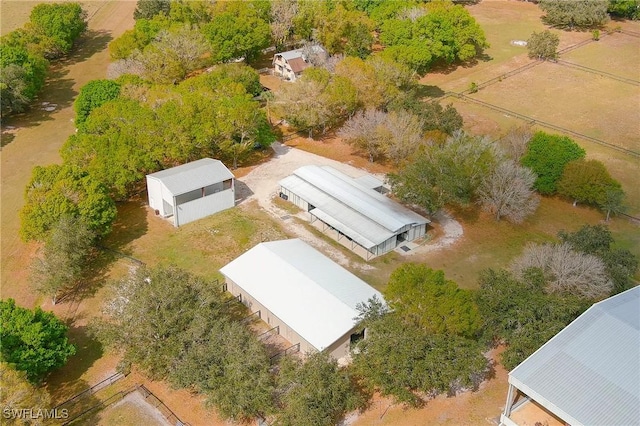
(35, 137)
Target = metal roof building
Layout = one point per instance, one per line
(296, 288)
(352, 208)
(191, 191)
(589, 373)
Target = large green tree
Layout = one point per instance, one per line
(315, 392)
(573, 14)
(547, 155)
(520, 313)
(58, 25)
(587, 181)
(625, 8)
(56, 191)
(237, 30)
(33, 341)
(424, 296)
(92, 95)
(22, 73)
(543, 45)
(450, 172)
(444, 33)
(65, 257)
(403, 360)
(147, 9)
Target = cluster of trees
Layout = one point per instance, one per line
(575, 14)
(548, 286)
(18, 393)
(504, 178)
(24, 53)
(33, 341)
(561, 168)
(179, 327)
(625, 9)
(425, 342)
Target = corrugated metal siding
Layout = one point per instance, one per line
(203, 207)
(590, 371)
(313, 295)
(196, 174)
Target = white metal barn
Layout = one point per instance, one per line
(372, 223)
(308, 296)
(587, 374)
(191, 191)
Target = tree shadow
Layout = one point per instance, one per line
(6, 138)
(130, 224)
(468, 214)
(424, 91)
(65, 382)
(92, 42)
(448, 68)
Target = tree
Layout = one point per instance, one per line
(546, 156)
(450, 172)
(367, 131)
(565, 270)
(33, 341)
(55, 191)
(515, 142)
(173, 54)
(445, 33)
(237, 31)
(422, 296)
(572, 14)
(147, 9)
(59, 24)
(143, 33)
(403, 360)
(597, 240)
(508, 191)
(543, 45)
(316, 392)
(406, 135)
(613, 201)
(346, 31)
(92, 95)
(13, 85)
(520, 313)
(17, 393)
(625, 9)
(283, 13)
(178, 326)
(65, 257)
(432, 114)
(378, 81)
(317, 100)
(586, 181)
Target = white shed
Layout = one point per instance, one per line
(191, 191)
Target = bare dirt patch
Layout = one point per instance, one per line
(132, 409)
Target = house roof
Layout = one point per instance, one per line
(297, 64)
(356, 210)
(309, 292)
(298, 53)
(589, 373)
(196, 174)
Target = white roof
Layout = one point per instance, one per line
(589, 373)
(291, 54)
(358, 211)
(194, 175)
(313, 295)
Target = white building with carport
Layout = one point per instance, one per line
(352, 209)
(191, 191)
(310, 298)
(587, 374)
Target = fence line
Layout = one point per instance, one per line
(266, 334)
(598, 72)
(630, 33)
(542, 123)
(249, 317)
(93, 389)
(113, 398)
(160, 406)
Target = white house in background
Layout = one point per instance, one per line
(308, 296)
(191, 191)
(587, 374)
(353, 211)
(289, 65)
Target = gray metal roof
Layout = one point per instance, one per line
(313, 295)
(369, 217)
(298, 53)
(369, 181)
(196, 174)
(589, 373)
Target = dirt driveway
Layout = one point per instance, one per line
(261, 184)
